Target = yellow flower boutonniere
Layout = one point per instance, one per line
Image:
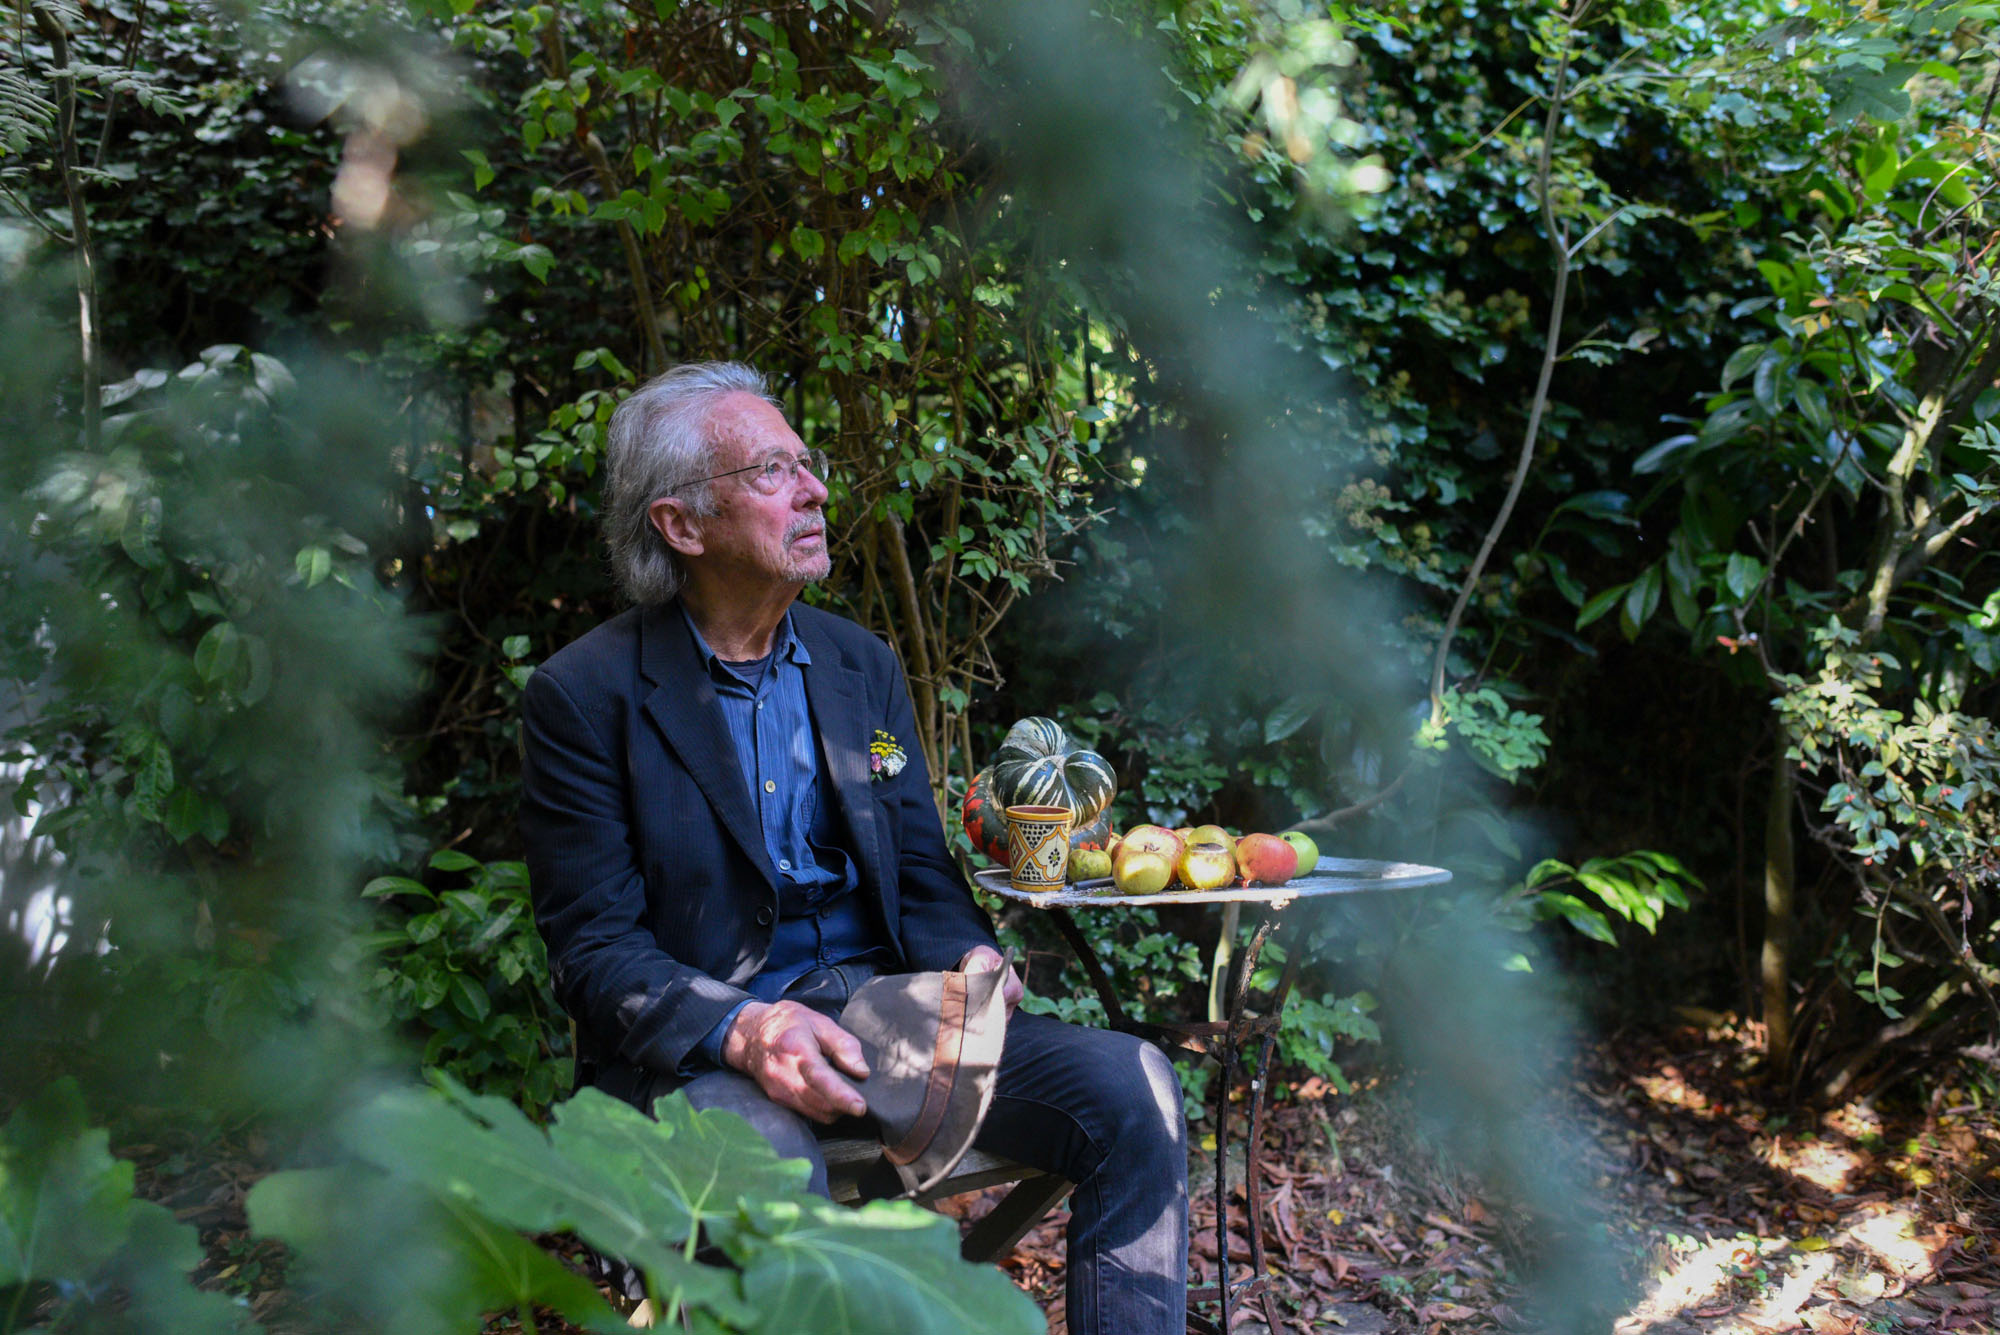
(885, 757)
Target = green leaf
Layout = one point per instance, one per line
(515, 646)
(1862, 94)
(470, 998)
(314, 564)
(679, 1170)
(1656, 458)
(382, 887)
(216, 656)
(412, 1264)
(482, 170)
(68, 1218)
(1555, 903)
(1741, 362)
(450, 859)
(1764, 385)
(64, 1201)
(186, 814)
(1742, 575)
(1810, 397)
(628, 1185)
(1599, 604)
(1641, 600)
(1291, 715)
(537, 260)
(813, 1265)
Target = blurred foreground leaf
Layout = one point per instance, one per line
(457, 1177)
(71, 1230)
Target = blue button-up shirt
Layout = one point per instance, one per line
(820, 922)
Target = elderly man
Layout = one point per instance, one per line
(717, 864)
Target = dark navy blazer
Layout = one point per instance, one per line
(650, 880)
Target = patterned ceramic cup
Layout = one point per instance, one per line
(1037, 847)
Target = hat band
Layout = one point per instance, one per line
(944, 1068)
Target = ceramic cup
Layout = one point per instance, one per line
(1037, 847)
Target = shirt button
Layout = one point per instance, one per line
(784, 864)
(764, 917)
(760, 705)
(770, 785)
(826, 912)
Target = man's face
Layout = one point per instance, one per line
(777, 537)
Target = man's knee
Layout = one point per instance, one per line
(1116, 1096)
(1163, 1083)
(788, 1133)
(1149, 1113)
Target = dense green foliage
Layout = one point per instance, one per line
(440, 1186)
(1191, 435)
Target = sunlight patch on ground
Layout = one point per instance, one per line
(1892, 1236)
(1688, 1281)
(1823, 1163)
(1669, 1089)
(1782, 1304)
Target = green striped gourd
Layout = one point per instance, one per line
(1038, 765)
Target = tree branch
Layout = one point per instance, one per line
(1550, 347)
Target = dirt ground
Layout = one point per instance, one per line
(1722, 1215)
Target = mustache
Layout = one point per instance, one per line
(804, 524)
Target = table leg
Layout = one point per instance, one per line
(1239, 997)
(1228, 1074)
(1093, 968)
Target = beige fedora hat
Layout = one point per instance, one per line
(933, 1044)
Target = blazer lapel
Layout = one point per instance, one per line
(838, 699)
(685, 708)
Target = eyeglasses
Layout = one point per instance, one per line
(775, 473)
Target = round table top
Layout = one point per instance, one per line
(1333, 876)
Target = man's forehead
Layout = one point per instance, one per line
(748, 427)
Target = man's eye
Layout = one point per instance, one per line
(775, 469)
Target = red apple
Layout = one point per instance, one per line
(1265, 859)
(1155, 839)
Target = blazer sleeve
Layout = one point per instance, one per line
(608, 970)
(939, 919)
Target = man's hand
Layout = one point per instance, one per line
(985, 959)
(785, 1048)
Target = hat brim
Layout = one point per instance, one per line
(933, 1043)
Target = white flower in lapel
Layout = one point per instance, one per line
(885, 757)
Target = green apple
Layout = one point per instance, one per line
(1089, 864)
(1307, 849)
(1140, 871)
(1205, 866)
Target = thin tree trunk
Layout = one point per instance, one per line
(1779, 885)
(79, 225)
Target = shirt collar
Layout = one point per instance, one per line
(785, 645)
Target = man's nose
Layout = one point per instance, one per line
(811, 487)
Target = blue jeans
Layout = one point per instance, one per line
(1103, 1109)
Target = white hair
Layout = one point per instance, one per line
(658, 445)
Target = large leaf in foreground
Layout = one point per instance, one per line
(813, 1265)
(412, 1264)
(616, 1180)
(677, 1172)
(68, 1218)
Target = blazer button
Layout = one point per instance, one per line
(764, 917)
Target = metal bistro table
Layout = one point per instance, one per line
(1228, 1039)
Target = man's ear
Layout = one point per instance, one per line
(678, 525)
